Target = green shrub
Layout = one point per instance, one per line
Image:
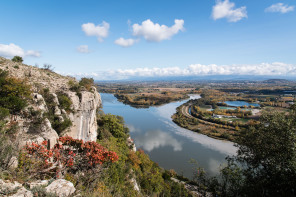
(17, 59)
(16, 67)
(59, 126)
(86, 82)
(113, 124)
(13, 93)
(65, 101)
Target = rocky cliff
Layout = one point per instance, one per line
(84, 122)
(80, 116)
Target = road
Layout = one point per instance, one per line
(185, 112)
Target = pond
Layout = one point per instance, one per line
(166, 143)
(241, 103)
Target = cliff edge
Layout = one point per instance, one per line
(59, 105)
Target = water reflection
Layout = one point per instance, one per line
(217, 145)
(214, 166)
(166, 111)
(132, 128)
(166, 143)
(156, 139)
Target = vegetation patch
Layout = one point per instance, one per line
(17, 59)
(14, 93)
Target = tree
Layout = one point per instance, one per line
(265, 164)
(48, 67)
(268, 157)
(17, 59)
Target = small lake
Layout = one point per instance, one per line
(241, 103)
(166, 143)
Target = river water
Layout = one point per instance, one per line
(167, 144)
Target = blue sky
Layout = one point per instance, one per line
(199, 37)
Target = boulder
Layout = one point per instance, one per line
(16, 189)
(61, 188)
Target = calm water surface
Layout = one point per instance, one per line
(166, 143)
(241, 103)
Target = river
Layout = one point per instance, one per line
(167, 144)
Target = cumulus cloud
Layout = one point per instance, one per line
(11, 50)
(83, 49)
(154, 32)
(276, 68)
(226, 9)
(279, 7)
(33, 53)
(100, 31)
(125, 42)
(267, 69)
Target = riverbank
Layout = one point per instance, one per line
(147, 100)
(184, 119)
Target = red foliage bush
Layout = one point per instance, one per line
(70, 153)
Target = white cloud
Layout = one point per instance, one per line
(11, 50)
(33, 53)
(125, 42)
(154, 32)
(100, 31)
(279, 7)
(83, 49)
(267, 69)
(226, 9)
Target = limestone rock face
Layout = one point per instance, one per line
(33, 124)
(39, 100)
(61, 188)
(48, 133)
(84, 121)
(45, 132)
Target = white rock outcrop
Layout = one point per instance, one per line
(84, 121)
(39, 100)
(16, 188)
(61, 188)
